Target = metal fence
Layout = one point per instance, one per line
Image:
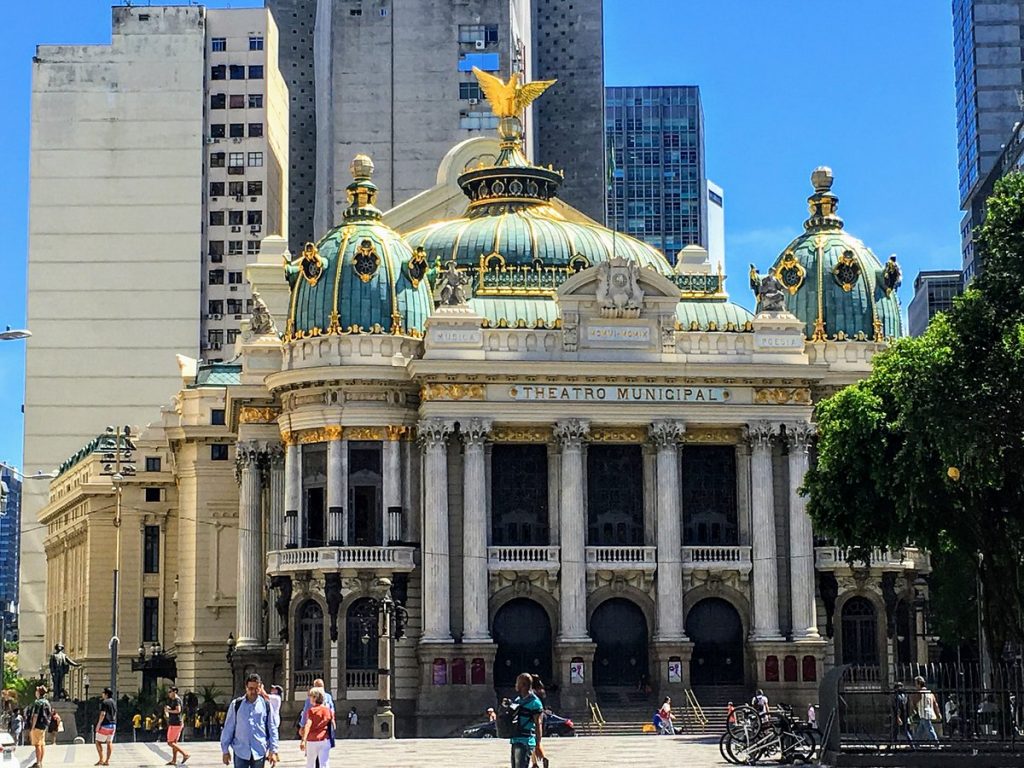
(977, 713)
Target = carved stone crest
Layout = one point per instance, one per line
(618, 288)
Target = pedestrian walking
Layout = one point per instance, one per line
(812, 716)
(351, 721)
(539, 758)
(899, 717)
(952, 713)
(173, 713)
(106, 726)
(527, 712)
(250, 729)
(39, 724)
(316, 731)
(17, 726)
(328, 702)
(760, 704)
(927, 708)
(275, 697)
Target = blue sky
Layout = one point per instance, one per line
(865, 87)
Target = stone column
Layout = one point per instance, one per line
(392, 490)
(554, 494)
(474, 530)
(275, 529)
(292, 493)
(433, 435)
(765, 574)
(572, 518)
(665, 434)
(743, 491)
(801, 538)
(250, 547)
(337, 478)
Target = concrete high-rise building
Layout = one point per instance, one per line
(658, 190)
(346, 63)
(568, 44)
(934, 292)
(10, 534)
(988, 48)
(716, 226)
(127, 251)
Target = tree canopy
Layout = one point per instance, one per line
(930, 447)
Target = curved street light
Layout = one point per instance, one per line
(14, 333)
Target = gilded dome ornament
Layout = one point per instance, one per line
(846, 271)
(417, 266)
(365, 260)
(510, 98)
(790, 272)
(892, 276)
(312, 265)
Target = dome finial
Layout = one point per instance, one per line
(823, 203)
(362, 192)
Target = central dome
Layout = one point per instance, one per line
(513, 238)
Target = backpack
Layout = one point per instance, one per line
(507, 724)
(54, 725)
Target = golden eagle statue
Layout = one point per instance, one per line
(511, 98)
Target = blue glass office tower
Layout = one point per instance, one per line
(657, 186)
(10, 527)
(988, 49)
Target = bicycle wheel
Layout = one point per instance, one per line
(803, 747)
(744, 725)
(723, 748)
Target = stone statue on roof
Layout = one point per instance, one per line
(261, 321)
(453, 286)
(771, 293)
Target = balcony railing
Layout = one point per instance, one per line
(903, 559)
(361, 680)
(523, 558)
(622, 558)
(304, 679)
(340, 558)
(711, 558)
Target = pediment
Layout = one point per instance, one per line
(585, 284)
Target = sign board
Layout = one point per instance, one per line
(675, 671)
(615, 393)
(576, 672)
(764, 340)
(620, 334)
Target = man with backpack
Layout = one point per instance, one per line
(250, 729)
(526, 713)
(39, 723)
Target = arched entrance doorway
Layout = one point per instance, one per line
(716, 630)
(522, 631)
(619, 628)
(860, 632)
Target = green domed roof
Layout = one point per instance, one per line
(833, 282)
(711, 315)
(361, 277)
(511, 223)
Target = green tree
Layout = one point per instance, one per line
(930, 447)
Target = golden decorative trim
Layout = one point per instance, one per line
(365, 433)
(365, 260)
(288, 438)
(333, 432)
(396, 432)
(249, 414)
(712, 435)
(312, 266)
(320, 435)
(618, 434)
(847, 270)
(790, 272)
(452, 392)
(783, 396)
(520, 434)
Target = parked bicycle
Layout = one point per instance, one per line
(749, 738)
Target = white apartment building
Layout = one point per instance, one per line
(120, 250)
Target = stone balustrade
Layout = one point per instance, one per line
(717, 558)
(395, 559)
(903, 559)
(361, 680)
(544, 558)
(622, 558)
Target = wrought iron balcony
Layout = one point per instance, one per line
(715, 558)
(545, 558)
(903, 559)
(394, 559)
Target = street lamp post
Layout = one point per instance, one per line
(391, 618)
(118, 446)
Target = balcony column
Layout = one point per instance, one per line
(292, 491)
(666, 434)
(275, 529)
(392, 490)
(474, 530)
(433, 435)
(572, 518)
(765, 575)
(337, 485)
(250, 546)
(801, 537)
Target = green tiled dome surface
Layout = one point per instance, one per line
(712, 315)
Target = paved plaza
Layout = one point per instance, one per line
(584, 752)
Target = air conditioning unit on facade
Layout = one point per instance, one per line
(239, 198)
(474, 101)
(255, 228)
(481, 45)
(233, 288)
(236, 229)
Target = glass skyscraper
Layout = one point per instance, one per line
(10, 527)
(657, 185)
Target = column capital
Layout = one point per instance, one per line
(433, 432)
(760, 433)
(248, 454)
(475, 431)
(571, 433)
(666, 433)
(800, 435)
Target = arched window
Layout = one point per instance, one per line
(860, 632)
(310, 637)
(361, 635)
